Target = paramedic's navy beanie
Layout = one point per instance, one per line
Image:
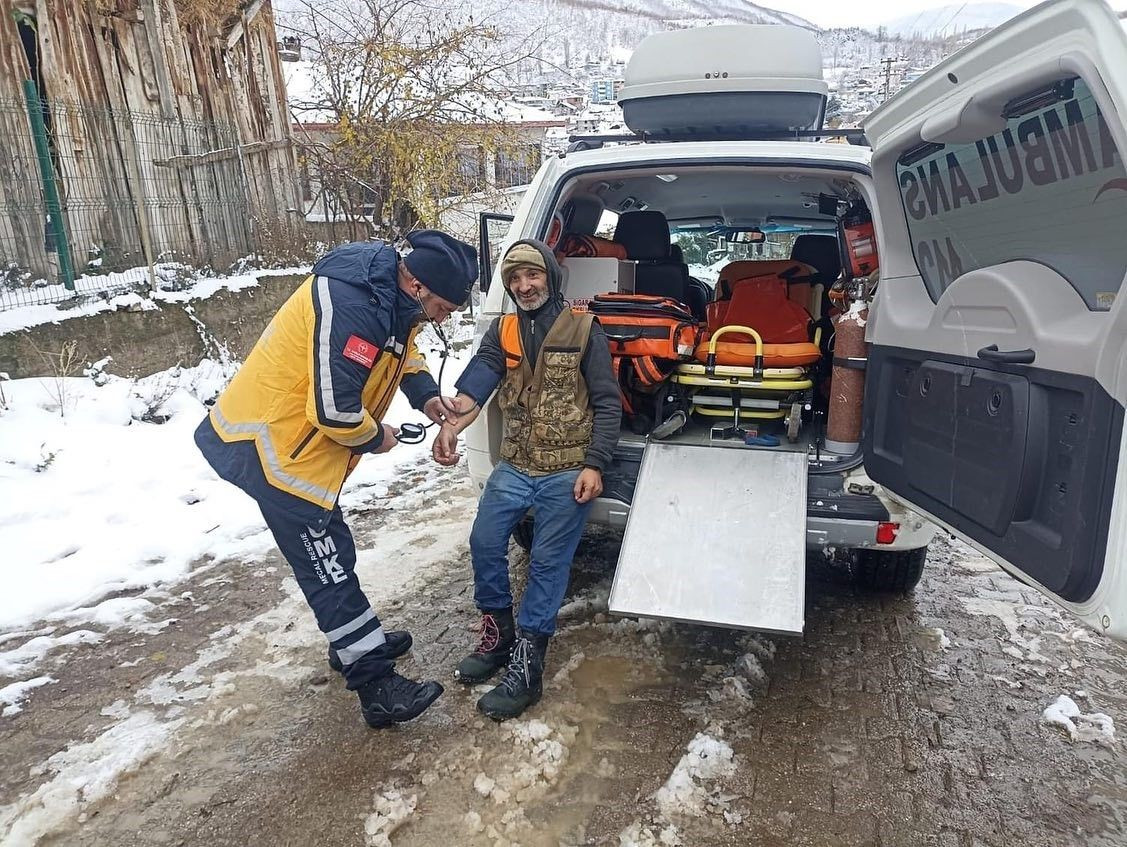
(445, 265)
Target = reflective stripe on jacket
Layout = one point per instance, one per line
(314, 389)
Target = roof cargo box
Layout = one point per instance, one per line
(739, 81)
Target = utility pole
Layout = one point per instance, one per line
(888, 63)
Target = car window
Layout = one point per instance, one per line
(1050, 188)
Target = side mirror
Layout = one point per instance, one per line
(492, 230)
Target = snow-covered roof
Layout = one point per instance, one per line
(306, 89)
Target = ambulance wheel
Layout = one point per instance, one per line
(892, 571)
(522, 535)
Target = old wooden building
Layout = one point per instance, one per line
(134, 131)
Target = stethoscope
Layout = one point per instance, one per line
(416, 433)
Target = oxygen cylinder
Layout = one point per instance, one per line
(847, 381)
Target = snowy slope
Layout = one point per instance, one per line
(951, 19)
(98, 500)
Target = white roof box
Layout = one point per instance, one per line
(739, 81)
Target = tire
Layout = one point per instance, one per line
(893, 571)
(522, 534)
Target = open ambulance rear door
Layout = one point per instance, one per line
(997, 376)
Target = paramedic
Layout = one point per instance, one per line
(308, 404)
(561, 409)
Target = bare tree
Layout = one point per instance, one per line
(407, 104)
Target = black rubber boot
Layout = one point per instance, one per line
(497, 634)
(523, 682)
(396, 643)
(395, 699)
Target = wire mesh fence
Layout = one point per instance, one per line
(91, 198)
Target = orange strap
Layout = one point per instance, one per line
(510, 340)
(616, 366)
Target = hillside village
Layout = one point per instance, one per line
(569, 85)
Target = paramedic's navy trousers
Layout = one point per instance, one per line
(324, 563)
(558, 523)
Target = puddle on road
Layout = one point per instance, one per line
(537, 780)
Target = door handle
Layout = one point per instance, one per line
(1008, 357)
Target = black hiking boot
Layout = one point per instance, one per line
(522, 684)
(497, 634)
(395, 699)
(396, 643)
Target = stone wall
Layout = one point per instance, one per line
(145, 342)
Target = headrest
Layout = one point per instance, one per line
(645, 235)
(822, 252)
(676, 253)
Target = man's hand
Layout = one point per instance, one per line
(588, 485)
(445, 447)
(389, 433)
(442, 409)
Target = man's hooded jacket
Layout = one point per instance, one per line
(488, 367)
(310, 396)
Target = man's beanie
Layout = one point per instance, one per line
(445, 265)
(521, 255)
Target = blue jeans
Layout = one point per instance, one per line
(559, 523)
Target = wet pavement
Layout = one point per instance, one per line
(892, 721)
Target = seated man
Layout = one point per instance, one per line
(561, 408)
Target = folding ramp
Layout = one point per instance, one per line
(716, 536)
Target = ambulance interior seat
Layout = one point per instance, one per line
(823, 253)
(699, 292)
(645, 236)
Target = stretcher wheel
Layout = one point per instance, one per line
(794, 422)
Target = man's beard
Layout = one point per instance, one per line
(533, 305)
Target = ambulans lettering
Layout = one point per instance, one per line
(939, 261)
(1053, 145)
(1043, 189)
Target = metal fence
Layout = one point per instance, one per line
(91, 198)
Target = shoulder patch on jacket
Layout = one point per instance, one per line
(360, 351)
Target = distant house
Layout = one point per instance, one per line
(496, 169)
(130, 129)
(604, 91)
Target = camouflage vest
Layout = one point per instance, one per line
(547, 412)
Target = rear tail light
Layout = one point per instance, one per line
(886, 532)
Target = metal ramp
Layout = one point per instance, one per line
(716, 536)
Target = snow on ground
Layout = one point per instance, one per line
(392, 810)
(99, 294)
(203, 694)
(1095, 727)
(99, 501)
(12, 695)
(694, 789)
(84, 773)
(543, 752)
(689, 788)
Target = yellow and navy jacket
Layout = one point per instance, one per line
(309, 399)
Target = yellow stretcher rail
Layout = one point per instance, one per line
(740, 371)
(727, 413)
(735, 382)
(710, 362)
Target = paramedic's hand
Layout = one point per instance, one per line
(441, 409)
(588, 485)
(389, 433)
(445, 447)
